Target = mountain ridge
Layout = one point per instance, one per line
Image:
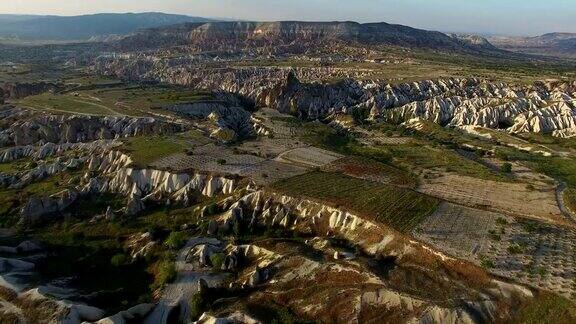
(223, 35)
(84, 27)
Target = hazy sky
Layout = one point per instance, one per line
(520, 17)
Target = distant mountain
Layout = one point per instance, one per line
(85, 27)
(555, 44)
(295, 36)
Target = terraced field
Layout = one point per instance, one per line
(399, 208)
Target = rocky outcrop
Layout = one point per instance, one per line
(51, 149)
(36, 208)
(42, 171)
(23, 127)
(276, 210)
(21, 90)
(133, 314)
(236, 120)
(291, 37)
(114, 174)
(545, 107)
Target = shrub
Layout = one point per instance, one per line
(221, 161)
(166, 273)
(217, 259)
(211, 209)
(155, 231)
(175, 240)
(486, 263)
(197, 305)
(118, 260)
(514, 249)
(506, 167)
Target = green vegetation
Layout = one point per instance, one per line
(546, 308)
(273, 313)
(166, 273)
(558, 167)
(144, 150)
(515, 249)
(425, 157)
(197, 306)
(399, 208)
(570, 198)
(506, 167)
(11, 199)
(217, 260)
(94, 262)
(104, 96)
(486, 263)
(176, 240)
(432, 150)
(66, 103)
(118, 260)
(16, 166)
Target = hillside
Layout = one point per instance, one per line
(296, 37)
(84, 27)
(554, 44)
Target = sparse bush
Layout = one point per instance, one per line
(197, 305)
(506, 167)
(217, 259)
(118, 260)
(501, 221)
(175, 240)
(486, 263)
(514, 249)
(530, 227)
(166, 273)
(211, 209)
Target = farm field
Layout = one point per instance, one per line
(532, 252)
(105, 97)
(510, 198)
(308, 157)
(63, 103)
(401, 209)
(422, 157)
(368, 169)
(145, 150)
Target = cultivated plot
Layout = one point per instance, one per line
(535, 253)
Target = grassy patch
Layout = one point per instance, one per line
(15, 166)
(66, 103)
(570, 198)
(401, 209)
(557, 167)
(547, 308)
(144, 150)
(11, 200)
(425, 157)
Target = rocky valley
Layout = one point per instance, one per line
(286, 172)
